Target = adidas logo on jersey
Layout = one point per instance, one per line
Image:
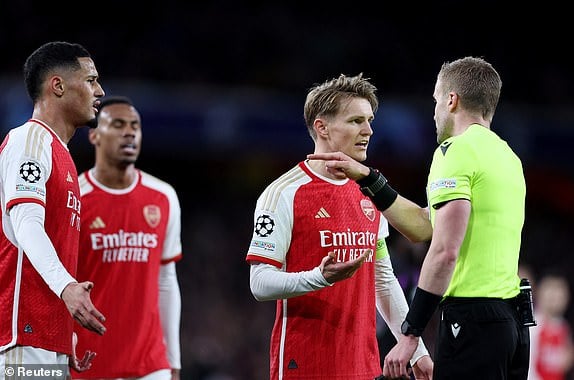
(69, 178)
(322, 213)
(97, 223)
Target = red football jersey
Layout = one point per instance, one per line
(329, 333)
(126, 235)
(552, 340)
(36, 166)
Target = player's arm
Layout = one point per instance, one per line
(268, 282)
(411, 220)
(28, 221)
(391, 302)
(170, 313)
(405, 216)
(169, 291)
(451, 220)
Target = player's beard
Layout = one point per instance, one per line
(128, 161)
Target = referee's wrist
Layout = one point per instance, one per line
(420, 312)
(376, 187)
(408, 329)
(369, 179)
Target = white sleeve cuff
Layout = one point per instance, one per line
(391, 302)
(419, 352)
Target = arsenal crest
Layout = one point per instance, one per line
(152, 215)
(368, 209)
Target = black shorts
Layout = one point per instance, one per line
(481, 338)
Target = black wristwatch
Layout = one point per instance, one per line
(376, 182)
(407, 329)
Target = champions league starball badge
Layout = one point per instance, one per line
(30, 172)
(264, 225)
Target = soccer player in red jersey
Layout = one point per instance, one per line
(130, 241)
(552, 349)
(318, 248)
(40, 219)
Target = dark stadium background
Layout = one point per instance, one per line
(221, 85)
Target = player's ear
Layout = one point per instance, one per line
(93, 136)
(56, 84)
(320, 126)
(453, 100)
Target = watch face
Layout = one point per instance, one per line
(404, 327)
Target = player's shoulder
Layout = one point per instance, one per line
(30, 133)
(85, 185)
(283, 188)
(156, 183)
(294, 177)
(30, 141)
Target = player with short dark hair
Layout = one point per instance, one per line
(40, 219)
(130, 241)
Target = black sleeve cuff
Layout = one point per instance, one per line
(376, 187)
(370, 179)
(422, 309)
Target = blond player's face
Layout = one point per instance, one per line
(350, 130)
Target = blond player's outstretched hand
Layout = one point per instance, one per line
(334, 270)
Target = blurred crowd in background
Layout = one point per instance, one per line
(220, 88)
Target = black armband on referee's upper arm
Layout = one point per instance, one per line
(376, 187)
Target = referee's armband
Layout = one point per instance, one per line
(376, 187)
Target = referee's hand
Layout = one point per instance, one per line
(341, 165)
